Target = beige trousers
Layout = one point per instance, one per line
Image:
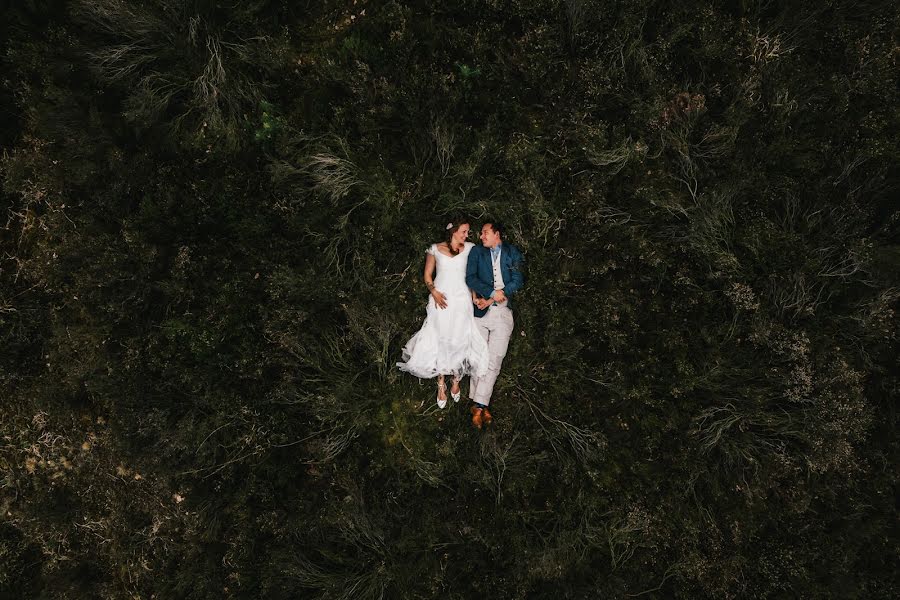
(496, 327)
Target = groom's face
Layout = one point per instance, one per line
(489, 237)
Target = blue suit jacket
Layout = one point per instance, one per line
(480, 273)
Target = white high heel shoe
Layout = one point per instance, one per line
(442, 387)
(458, 394)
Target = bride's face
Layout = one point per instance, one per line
(462, 234)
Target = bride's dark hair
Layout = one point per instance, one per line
(457, 222)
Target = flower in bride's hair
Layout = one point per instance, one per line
(449, 226)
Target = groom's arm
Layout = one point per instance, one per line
(517, 272)
(473, 280)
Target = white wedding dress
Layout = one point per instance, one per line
(449, 342)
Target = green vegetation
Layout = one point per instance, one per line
(215, 218)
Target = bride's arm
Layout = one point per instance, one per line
(439, 298)
(429, 271)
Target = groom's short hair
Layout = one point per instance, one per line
(497, 226)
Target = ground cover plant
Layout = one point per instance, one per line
(214, 224)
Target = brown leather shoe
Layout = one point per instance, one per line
(477, 416)
(486, 417)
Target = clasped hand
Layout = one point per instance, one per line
(483, 303)
(440, 299)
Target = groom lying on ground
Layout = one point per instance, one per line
(495, 272)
